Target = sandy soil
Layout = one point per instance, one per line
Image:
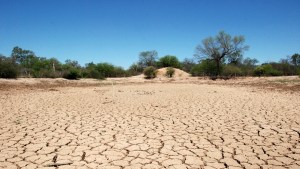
(163, 123)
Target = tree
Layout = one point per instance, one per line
(250, 62)
(295, 59)
(71, 64)
(23, 57)
(221, 47)
(147, 58)
(19, 55)
(187, 64)
(248, 66)
(135, 69)
(169, 61)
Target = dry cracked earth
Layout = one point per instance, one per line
(149, 126)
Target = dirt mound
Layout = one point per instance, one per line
(178, 73)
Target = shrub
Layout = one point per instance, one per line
(231, 70)
(45, 74)
(72, 74)
(259, 71)
(105, 69)
(298, 71)
(120, 72)
(8, 70)
(170, 72)
(150, 72)
(205, 68)
(95, 74)
(267, 70)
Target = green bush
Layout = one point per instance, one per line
(170, 72)
(150, 72)
(120, 72)
(298, 71)
(72, 74)
(169, 61)
(95, 74)
(259, 71)
(205, 68)
(231, 70)
(8, 70)
(267, 70)
(106, 69)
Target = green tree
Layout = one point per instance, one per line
(147, 58)
(71, 64)
(19, 55)
(23, 57)
(295, 59)
(205, 68)
(169, 61)
(221, 47)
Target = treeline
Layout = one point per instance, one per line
(217, 57)
(25, 63)
(248, 67)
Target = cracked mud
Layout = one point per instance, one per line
(150, 126)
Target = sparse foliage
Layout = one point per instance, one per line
(187, 64)
(135, 69)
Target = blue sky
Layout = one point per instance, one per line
(116, 31)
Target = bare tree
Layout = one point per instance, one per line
(221, 47)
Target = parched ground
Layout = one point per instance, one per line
(159, 125)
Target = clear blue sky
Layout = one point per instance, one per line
(116, 31)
